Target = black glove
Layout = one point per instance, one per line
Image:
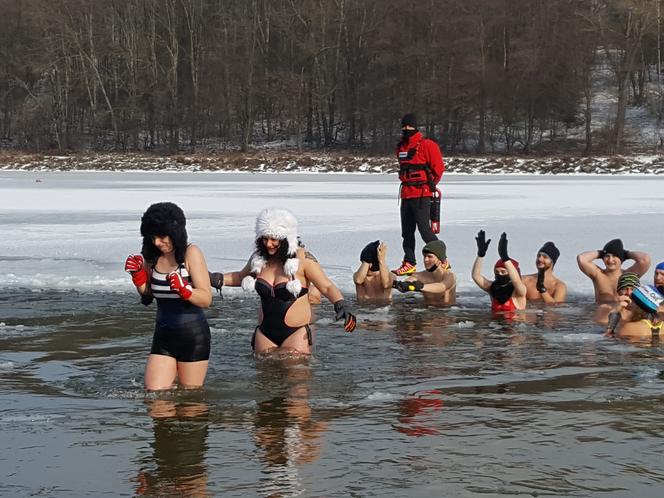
(614, 318)
(540, 281)
(482, 244)
(341, 312)
(502, 247)
(408, 286)
(600, 254)
(217, 280)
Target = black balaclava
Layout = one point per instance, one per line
(370, 255)
(501, 288)
(408, 120)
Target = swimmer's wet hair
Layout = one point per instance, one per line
(160, 219)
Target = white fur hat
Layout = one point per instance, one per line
(277, 224)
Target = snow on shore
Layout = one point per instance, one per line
(320, 162)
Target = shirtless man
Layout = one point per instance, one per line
(613, 255)
(373, 280)
(507, 290)
(659, 277)
(544, 285)
(438, 283)
(643, 325)
(620, 311)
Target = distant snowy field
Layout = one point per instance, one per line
(73, 230)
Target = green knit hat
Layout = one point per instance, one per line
(437, 248)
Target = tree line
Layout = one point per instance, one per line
(171, 75)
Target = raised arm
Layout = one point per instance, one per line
(478, 278)
(386, 276)
(586, 265)
(482, 246)
(519, 287)
(361, 274)
(641, 262)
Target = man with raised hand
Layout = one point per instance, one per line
(605, 280)
(373, 280)
(544, 286)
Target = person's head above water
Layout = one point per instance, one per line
(438, 249)
(550, 251)
(160, 220)
(501, 264)
(275, 224)
(627, 282)
(370, 255)
(614, 247)
(659, 277)
(647, 298)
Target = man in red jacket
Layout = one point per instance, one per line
(420, 169)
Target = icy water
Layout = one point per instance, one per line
(417, 402)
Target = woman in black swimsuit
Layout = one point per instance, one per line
(173, 272)
(280, 273)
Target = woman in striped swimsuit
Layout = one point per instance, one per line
(175, 274)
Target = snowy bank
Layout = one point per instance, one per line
(322, 162)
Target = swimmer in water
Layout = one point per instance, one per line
(544, 286)
(507, 290)
(643, 325)
(437, 283)
(373, 279)
(605, 279)
(173, 272)
(280, 273)
(621, 311)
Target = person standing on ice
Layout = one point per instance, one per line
(173, 272)
(605, 280)
(280, 273)
(421, 167)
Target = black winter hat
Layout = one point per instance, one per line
(370, 255)
(614, 247)
(409, 120)
(550, 249)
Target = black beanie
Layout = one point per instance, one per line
(551, 251)
(370, 255)
(616, 248)
(409, 120)
(437, 248)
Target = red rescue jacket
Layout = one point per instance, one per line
(420, 166)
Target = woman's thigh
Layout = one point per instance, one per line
(191, 374)
(160, 372)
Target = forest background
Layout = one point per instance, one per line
(512, 77)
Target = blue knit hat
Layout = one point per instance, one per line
(647, 298)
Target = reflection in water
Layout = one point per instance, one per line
(417, 413)
(285, 429)
(177, 466)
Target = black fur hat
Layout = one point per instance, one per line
(160, 219)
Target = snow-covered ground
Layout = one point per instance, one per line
(74, 230)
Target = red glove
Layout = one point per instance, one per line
(135, 266)
(178, 285)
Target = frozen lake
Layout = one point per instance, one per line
(417, 402)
